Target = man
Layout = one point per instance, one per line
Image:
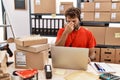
(74, 35)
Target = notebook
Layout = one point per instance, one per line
(69, 57)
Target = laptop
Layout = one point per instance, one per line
(69, 57)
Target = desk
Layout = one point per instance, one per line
(56, 76)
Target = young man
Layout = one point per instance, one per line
(74, 35)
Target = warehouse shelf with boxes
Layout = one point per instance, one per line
(100, 11)
(108, 43)
(46, 20)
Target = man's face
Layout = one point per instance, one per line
(75, 21)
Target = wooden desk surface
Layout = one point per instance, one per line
(60, 74)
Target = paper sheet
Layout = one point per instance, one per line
(82, 75)
(60, 71)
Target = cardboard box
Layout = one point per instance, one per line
(5, 76)
(102, 16)
(44, 6)
(34, 48)
(112, 36)
(103, 6)
(115, 6)
(32, 40)
(115, 16)
(3, 60)
(87, 16)
(102, 0)
(97, 55)
(117, 58)
(64, 6)
(99, 34)
(87, 6)
(29, 60)
(107, 53)
(117, 53)
(108, 60)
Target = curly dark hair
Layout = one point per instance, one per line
(73, 12)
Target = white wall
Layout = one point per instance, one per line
(19, 19)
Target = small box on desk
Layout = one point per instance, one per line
(28, 60)
(31, 40)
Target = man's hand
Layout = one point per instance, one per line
(69, 27)
(89, 60)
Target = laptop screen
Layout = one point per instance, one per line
(69, 57)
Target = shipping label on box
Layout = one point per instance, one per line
(20, 59)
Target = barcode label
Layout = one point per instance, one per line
(20, 59)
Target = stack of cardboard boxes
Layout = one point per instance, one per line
(109, 37)
(4, 75)
(101, 10)
(31, 53)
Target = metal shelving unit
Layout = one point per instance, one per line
(44, 26)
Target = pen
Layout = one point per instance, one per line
(101, 68)
(98, 67)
